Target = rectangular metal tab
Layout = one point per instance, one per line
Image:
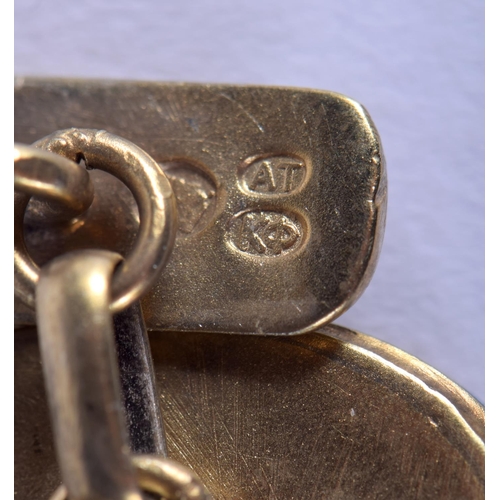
(281, 195)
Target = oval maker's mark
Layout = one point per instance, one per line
(272, 175)
(265, 233)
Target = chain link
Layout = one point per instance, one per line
(76, 296)
(152, 192)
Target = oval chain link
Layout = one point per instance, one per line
(52, 178)
(152, 192)
(62, 182)
(82, 382)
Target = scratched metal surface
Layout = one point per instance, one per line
(281, 195)
(320, 416)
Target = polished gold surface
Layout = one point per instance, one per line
(324, 415)
(155, 201)
(281, 195)
(81, 376)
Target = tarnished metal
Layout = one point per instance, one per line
(81, 376)
(138, 382)
(335, 414)
(281, 195)
(155, 202)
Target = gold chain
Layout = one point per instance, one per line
(76, 295)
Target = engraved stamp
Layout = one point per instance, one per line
(195, 192)
(265, 233)
(272, 175)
